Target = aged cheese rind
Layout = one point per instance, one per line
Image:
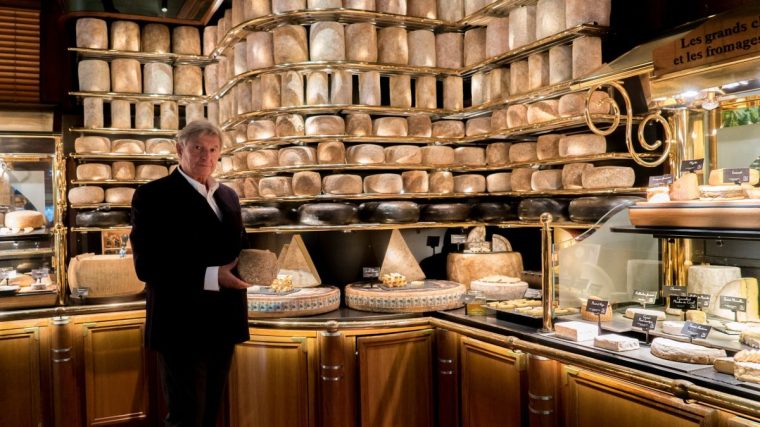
(257, 267)
(91, 33)
(523, 152)
(547, 146)
(389, 212)
(365, 154)
(342, 184)
(383, 183)
(86, 195)
(275, 186)
(498, 182)
(441, 182)
(116, 195)
(469, 183)
(470, 156)
(327, 214)
(549, 179)
(685, 352)
(331, 152)
(93, 172)
(403, 155)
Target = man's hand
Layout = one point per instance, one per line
(228, 280)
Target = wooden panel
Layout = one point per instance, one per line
(20, 400)
(116, 385)
(396, 379)
(493, 385)
(543, 392)
(272, 382)
(337, 399)
(19, 55)
(593, 399)
(447, 375)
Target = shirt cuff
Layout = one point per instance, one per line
(211, 281)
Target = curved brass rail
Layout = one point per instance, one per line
(652, 117)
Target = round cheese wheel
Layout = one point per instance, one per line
(326, 41)
(86, 195)
(261, 159)
(592, 209)
(390, 126)
(523, 152)
(342, 184)
(125, 35)
(155, 38)
(92, 33)
(119, 195)
(305, 302)
(186, 40)
(448, 129)
(434, 295)
(160, 146)
(389, 212)
(438, 155)
(383, 183)
(469, 183)
(331, 152)
(492, 212)
(290, 44)
(289, 125)
(500, 287)
(325, 125)
(445, 212)
(94, 75)
(327, 214)
(24, 219)
(93, 113)
(275, 186)
(127, 146)
(297, 156)
(263, 216)
(403, 155)
(608, 177)
(126, 76)
(441, 182)
(151, 172)
(93, 172)
(365, 154)
(123, 170)
(105, 218)
(92, 145)
(531, 209)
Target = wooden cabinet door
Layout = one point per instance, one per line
(116, 383)
(447, 376)
(592, 399)
(396, 379)
(494, 385)
(20, 380)
(272, 382)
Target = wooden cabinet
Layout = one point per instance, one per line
(273, 380)
(24, 374)
(493, 385)
(447, 378)
(396, 379)
(114, 371)
(593, 399)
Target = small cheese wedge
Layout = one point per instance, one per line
(576, 331)
(724, 365)
(685, 188)
(616, 342)
(696, 316)
(632, 311)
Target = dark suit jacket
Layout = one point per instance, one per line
(175, 236)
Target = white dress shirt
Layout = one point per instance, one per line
(211, 280)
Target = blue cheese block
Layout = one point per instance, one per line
(327, 214)
(389, 212)
(591, 209)
(264, 216)
(106, 218)
(445, 212)
(531, 209)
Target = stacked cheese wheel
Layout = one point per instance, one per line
(305, 302)
(435, 295)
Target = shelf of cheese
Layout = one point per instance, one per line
(272, 170)
(100, 205)
(416, 225)
(98, 229)
(143, 57)
(330, 109)
(399, 196)
(119, 156)
(123, 131)
(692, 233)
(110, 181)
(137, 97)
(21, 253)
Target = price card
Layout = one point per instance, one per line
(646, 322)
(645, 297)
(673, 290)
(683, 302)
(433, 241)
(692, 165)
(660, 180)
(458, 239)
(370, 272)
(703, 300)
(532, 293)
(737, 176)
(696, 330)
(596, 306)
(733, 303)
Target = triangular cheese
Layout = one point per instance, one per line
(298, 264)
(500, 243)
(477, 235)
(281, 255)
(399, 259)
(743, 288)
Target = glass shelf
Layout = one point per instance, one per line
(143, 57)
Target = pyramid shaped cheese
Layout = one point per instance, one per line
(743, 288)
(297, 263)
(399, 259)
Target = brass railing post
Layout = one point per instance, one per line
(547, 272)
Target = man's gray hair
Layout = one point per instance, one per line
(196, 129)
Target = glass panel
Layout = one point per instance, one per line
(607, 265)
(27, 185)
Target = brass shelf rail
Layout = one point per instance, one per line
(122, 131)
(118, 156)
(137, 97)
(143, 57)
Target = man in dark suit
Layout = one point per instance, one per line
(187, 232)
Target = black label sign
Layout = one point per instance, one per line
(695, 330)
(458, 239)
(673, 290)
(645, 297)
(646, 322)
(692, 165)
(737, 176)
(597, 306)
(370, 272)
(683, 302)
(703, 300)
(733, 303)
(660, 180)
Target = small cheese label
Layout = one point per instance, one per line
(646, 322)
(738, 175)
(695, 330)
(683, 302)
(733, 303)
(703, 300)
(660, 180)
(673, 290)
(645, 297)
(597, 306)
(458, 239)
(370, 272)
(433, 241)
(692, 165)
